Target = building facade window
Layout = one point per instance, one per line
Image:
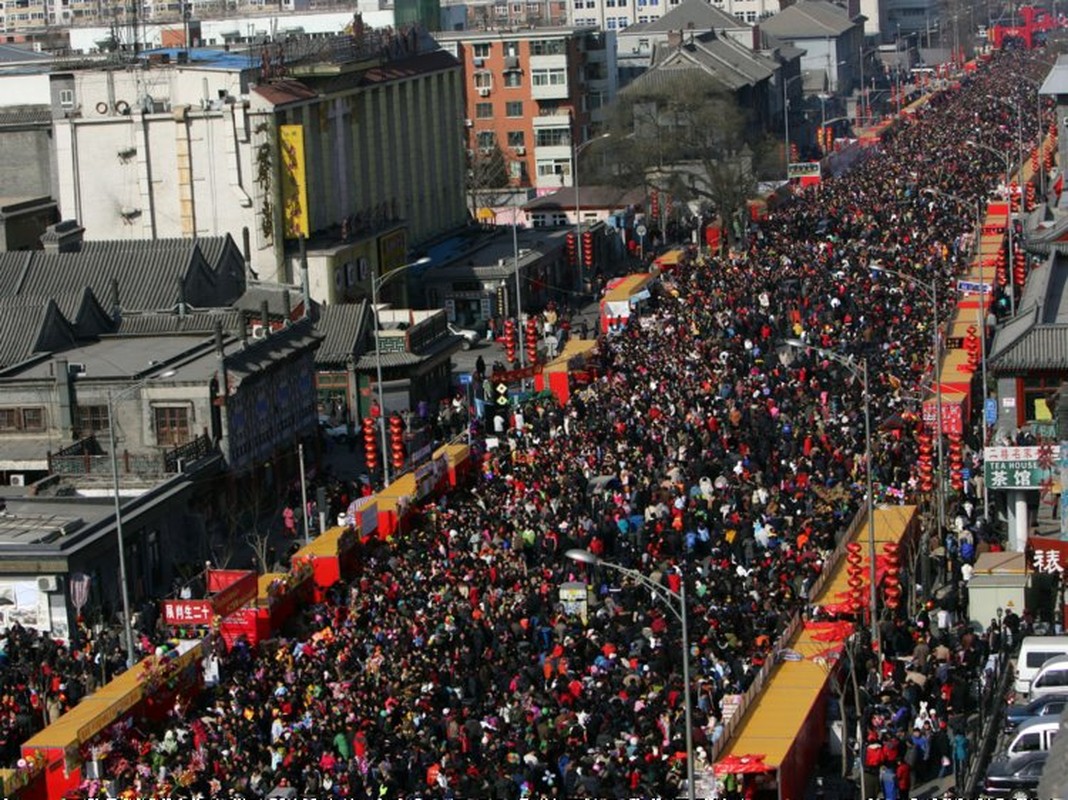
(549, 77)
(511, 49)
(513, 108)
(487, 140)
(483, 110)
(481, 50)
(171, 425)
(548, 47)
(27, 418)
(552, 137)
(92, 419)
(513, 78)
(516, 139)
(484, 80)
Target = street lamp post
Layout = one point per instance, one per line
(119, 539)
(980, 313)
(576, 151)
(932, 295)
(676, 601)
(1008, 194)
(786, 120)
(859, 371)
(376, 284)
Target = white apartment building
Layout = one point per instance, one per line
(620, 14)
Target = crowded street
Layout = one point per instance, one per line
(705, 450)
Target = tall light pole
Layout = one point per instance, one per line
(518, 291)
(980, 313)
(376, 284)
(859, 371)
(1011, 224)
(576, 151)
(676, 601)
(786, 120)
(127, 622)
(932, 294)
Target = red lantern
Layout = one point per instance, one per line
(572, 249)
(1019, 271)
(509, 340)
(587, 249)
(532, 340)
(396, 440)
(370, 453)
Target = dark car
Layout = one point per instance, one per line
(1050, 704)
(1015, 778)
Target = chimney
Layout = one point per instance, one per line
(65, 390)
(246, 251)
(304, 290)
(181, 299)
(265, 318)
(758, 39)
(116, 307)
(675, 38)
(220, 351)
(287, 305)
(64, 236)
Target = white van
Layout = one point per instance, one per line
(1034, 652)
(1052, 678)
(1033, 737)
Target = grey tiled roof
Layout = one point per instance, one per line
(343, 328)
(725, 60)
(27, 328)
(273, 293)
(808, 19)
(1042, 347)
(699, 15)
(155, 324)
(147, 272)
(26, 115)
(446, 344)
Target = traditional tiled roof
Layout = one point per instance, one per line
(344, 329)
(808, 19)
(155, 323)
(698, 15)
(27, 328)
(1037, 337)
(723, 59)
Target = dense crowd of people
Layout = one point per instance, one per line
(706, 451)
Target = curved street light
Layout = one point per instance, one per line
(127, 622)
(576, 151)
(931, 292)
(1004, 156)
(981, 312)
(376, 284)
(676, 601)
(860, 371)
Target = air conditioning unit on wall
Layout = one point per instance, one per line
(483, 92)
(17, 479)
(46, 583)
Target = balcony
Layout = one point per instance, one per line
(87, 458)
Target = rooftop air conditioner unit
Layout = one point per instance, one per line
(46, 583)
(17, 479)
(483, 92)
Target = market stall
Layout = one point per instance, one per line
(623, 295)
(571, 364)
(332, 555)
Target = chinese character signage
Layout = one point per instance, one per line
(803, 169)
(1021, 467)
(1048, 561)
(187, 612)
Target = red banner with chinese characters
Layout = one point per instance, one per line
(187, 612)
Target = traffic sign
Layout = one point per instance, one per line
(973, 287)
(991, 410)
(641, 230)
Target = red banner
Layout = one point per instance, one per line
(187, 612)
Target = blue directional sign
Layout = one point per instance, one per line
(990, 409)
(973, 287)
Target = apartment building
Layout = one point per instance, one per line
(535, 94)
(614, 15)
(356, 149)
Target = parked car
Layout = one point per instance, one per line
(1015, 778)
(1034, 735)
(470, 337)
(337, 433)
(1052, 678)
(1035, 651)
(1050, 704)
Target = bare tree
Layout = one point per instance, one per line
(687, 137)
(487, 174)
